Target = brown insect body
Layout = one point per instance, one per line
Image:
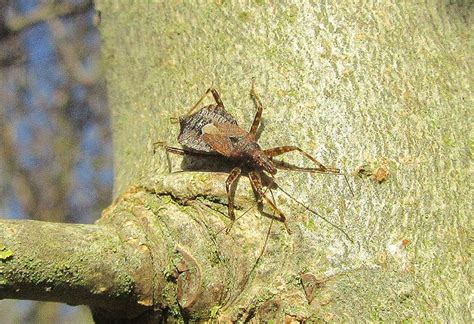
(213, 131)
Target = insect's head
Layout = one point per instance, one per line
(260, 159)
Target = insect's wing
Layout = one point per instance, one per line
(223, 137)
(225, 129)
(218, 143)
(191, 133)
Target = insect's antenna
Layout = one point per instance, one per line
(269, 227)
(286, 166)
(248, 209)
(266, 238)
(338, 172)
(237, 218)
(317, 214)
(246, 280)
(262, 251)
(345, 179)
(348, 184)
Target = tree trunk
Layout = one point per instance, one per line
(381, 91)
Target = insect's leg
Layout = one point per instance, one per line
(257, 186)
(259, 200)
(216, 96)
(174, 120)
(285, 149)
(170, 149)
(163, 145)
(287, 166)
(157, 145)
(268, 231)
(233, 176)
(179, 151)
(258, 115)
(317, 214)
(198, 102)
(320, 168)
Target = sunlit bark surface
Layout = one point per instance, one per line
(380, 90)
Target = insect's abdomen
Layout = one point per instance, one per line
(190, 135)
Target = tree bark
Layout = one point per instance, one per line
(75, 264)
(382, 91)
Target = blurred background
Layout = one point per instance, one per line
(55, 137)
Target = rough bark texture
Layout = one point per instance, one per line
(382, 91)
(76, 264)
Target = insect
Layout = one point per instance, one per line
(212, 131)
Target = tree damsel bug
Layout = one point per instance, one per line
(212, 131)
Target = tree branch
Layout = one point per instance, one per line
(159, 250)
(76, 264)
